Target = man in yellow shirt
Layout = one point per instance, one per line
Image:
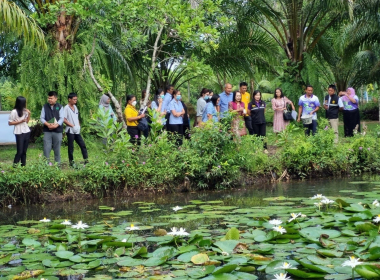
(246, 98)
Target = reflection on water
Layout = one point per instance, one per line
(88, 210)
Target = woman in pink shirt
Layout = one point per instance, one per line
(237, 106)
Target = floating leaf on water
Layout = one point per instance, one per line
(199, 259)
(368, 271)
(64, 254)
(358, 182)
(29, 242)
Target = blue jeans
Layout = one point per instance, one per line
(312, 127)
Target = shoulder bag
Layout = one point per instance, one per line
(287, 114)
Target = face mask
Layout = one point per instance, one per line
(134, 103)
(206, 97)
(162, 96)
(178, 97)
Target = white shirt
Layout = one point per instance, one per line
(21, 127)
(72, 117)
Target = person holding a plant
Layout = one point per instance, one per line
(19, 117)
(256, 110)
(211, 112)
(308, 106)
(52, 117)
(279, 103)
(132, 116)
(351, 115)
(333, 104)
(177, 113)
(238, 107)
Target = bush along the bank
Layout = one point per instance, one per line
(306, 156)
(213, 158)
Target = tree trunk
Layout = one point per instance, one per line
(119, 111)
(63, 27)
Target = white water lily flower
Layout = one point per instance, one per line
(318, 204)
(294, 216)
(275, 222)
(132, 227)
(44, 220)
(318, 196)
(225, 254)
(80, 225)
(182, 232)
(282, 276)
(377, 219)
(376, 203)
(352, 262)
(177, 208)
(327, 201)
(279, 229)
(173, 232)
(124, 240)
(303, 216)
(285, 265)
(66, 222)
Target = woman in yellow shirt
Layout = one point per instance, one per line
(132, 116)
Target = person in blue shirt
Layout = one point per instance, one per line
(211, 113)
(225, 99)
(309, 105)
(165, 103)
(157, 106)
(176, 117)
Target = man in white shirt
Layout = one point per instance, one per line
(73, 128)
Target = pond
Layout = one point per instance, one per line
(232, 234)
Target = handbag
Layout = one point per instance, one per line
(142, 124)
(287, 114)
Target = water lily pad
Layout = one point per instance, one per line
(199, 259)
(64, 254)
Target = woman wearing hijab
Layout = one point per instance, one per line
(351, 115)
(104, 104)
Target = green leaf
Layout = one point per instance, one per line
(303, 274)
(29, 242)
(368, 271)
(64, 254)
(199, 259)
(225, 269)
(233, 234)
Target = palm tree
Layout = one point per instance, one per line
(14, 20)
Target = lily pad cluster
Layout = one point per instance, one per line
(289, 238)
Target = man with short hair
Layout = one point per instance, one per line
(73, 128)
(225, 98)
(309, 105)
(165, 103)
(246, 98)
(333, 104)
(52, 117)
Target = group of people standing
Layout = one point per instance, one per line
(53, 116)
(169, 109)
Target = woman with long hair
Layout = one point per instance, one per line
(20, 117)
(237, 106)
(351, 115)
(256, 110)
(279, 103)
(211, 112)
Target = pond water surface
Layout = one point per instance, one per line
(229, 234)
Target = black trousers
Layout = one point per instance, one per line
(22, 142)
(351, 119)
(167, 116)
(77, 138)
(133, 131)
(260, 130)
(248, 124)
(177, 130)
(312, 127)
